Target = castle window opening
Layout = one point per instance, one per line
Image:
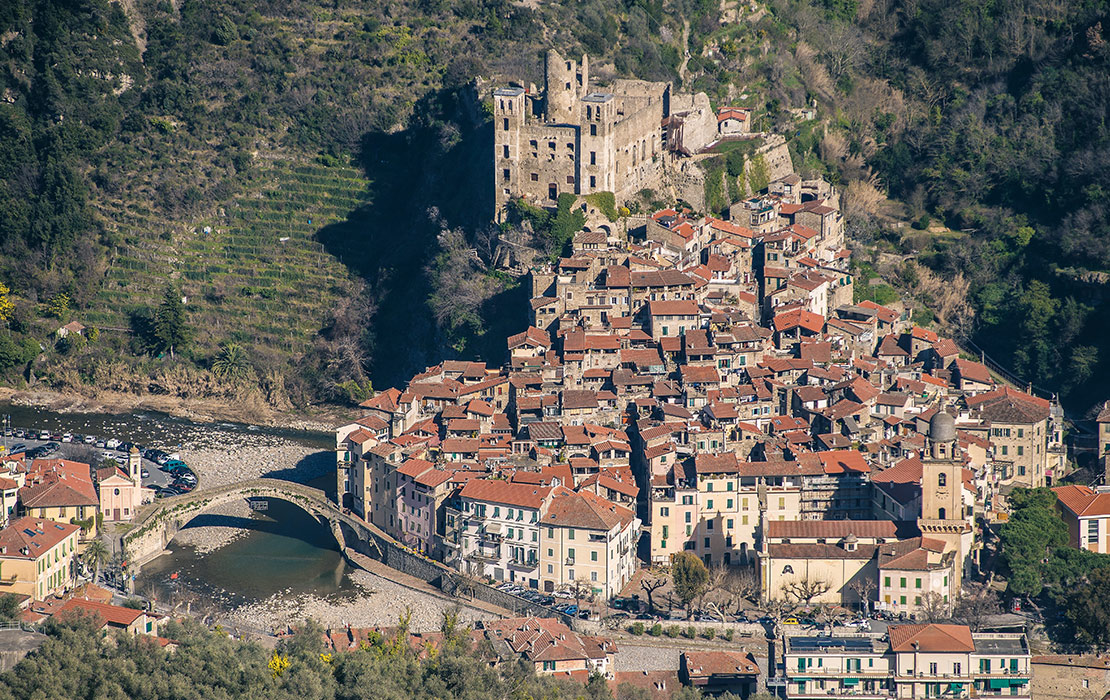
(505, 124)
(505, 174)
(593, 181)
(551, 145)
(567, 86)
(570, 179)
(593, 128)
(552, 191)
(535, 177)
(505, 151)
(593, 157)
(533, 144)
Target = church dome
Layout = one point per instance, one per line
(942, 427)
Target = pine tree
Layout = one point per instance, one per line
(169, 321)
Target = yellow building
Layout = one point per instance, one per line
(587, 538)
(37, 557)
(62, 491)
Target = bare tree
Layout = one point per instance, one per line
(804, 590)
(650, 586)
(742, 584)
(973, 608)
(934, 608)
(863, 588)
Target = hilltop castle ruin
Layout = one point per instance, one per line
(570, 138)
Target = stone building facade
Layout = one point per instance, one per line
(573, 139)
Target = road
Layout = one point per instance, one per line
(80, 451)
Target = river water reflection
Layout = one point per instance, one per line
(285, 551)
(284, 548)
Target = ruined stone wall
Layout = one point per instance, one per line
(685, 180)
(1085, 678)
(777, 156)
(548, 156)
(637, 146)
(699, 121)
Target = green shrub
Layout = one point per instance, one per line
(729, 634)
(922, 223)
(690, 632)
(710, 633)
(637, 628)
(656, 630)
(672, 631)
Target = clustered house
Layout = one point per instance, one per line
(51, 507)
(711, 386)
(912, 661)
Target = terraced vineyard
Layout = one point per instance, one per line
(253, 273)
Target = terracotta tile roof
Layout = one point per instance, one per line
(930, 638)
(972, 370)
(681, 307)
(533, 337)
(724, 463)
(30, 538)
(831, 529)
(1083, 501)
(585, 510)
(413, 468)
(385, 400)
(704, 664)
(496, 491)
(843, 461)
(113, 615)
(946, 347)
(820, 551)
(576, 399)
(799, 318)
(546, 639)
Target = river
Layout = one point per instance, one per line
(150, 428)
(283, 551)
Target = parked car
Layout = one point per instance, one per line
(67, 437)
(144, 473)
(90, 439)
(111, 443)
(790, 621)
(19, 448)
(44, 435)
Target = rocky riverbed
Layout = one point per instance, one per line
(214, 529)
(377, 602)
(222, 459)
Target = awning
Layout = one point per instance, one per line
(955, 686)
(999, 683)
(493, 528)
(850, 681)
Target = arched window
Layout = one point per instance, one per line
(942, 513)
(942, 480)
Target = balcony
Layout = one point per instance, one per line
(569, 561)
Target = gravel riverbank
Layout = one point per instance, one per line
(222, 460)
(205, 537)
(378, 602)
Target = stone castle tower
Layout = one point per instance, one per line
(942, 509)
(574, 140)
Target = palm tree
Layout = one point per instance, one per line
(231, 362)
(96, 555)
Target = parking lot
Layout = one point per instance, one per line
(156, 464)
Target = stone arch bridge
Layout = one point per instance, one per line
(158, 522)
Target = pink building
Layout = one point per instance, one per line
(421, 490)
(121, 491)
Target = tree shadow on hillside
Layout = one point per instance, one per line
(443, 161)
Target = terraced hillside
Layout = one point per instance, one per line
(253, 273)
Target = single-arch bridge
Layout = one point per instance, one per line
(159, 522)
